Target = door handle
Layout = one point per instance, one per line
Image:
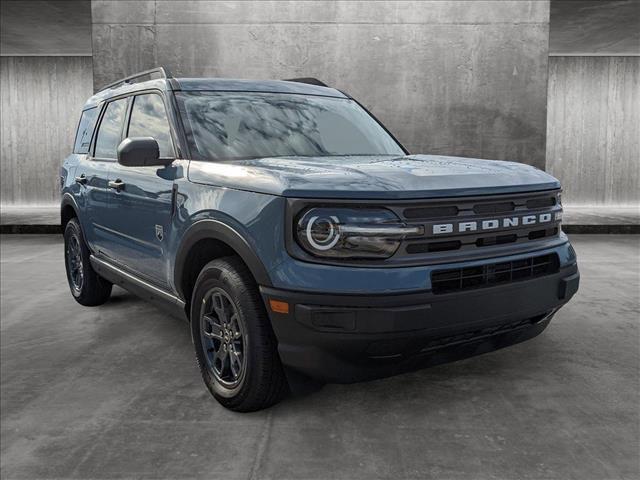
(117, 184)
(82, 179)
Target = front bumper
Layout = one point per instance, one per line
(349, 338)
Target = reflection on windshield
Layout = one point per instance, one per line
(225, 126)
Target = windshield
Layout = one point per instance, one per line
(240, 125)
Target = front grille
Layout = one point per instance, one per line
(458, 279)
(491, 208)
(497, 240)
(542, 202)
(548, 232)
(433, 247)
(470, 224)
(431, 212)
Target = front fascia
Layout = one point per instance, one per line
(298, 275)
(265, 224)
(464, 214)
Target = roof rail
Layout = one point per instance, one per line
(309, 80)
(164, 72)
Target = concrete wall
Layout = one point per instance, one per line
(41, 99)
(45, 27)
(593, 141)
(594, 27)
(460, 78)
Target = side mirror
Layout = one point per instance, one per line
(140, 152)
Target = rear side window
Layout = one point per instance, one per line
(110, 129)
(85, 130)
(149, 119)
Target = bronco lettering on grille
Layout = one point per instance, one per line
(491, 224)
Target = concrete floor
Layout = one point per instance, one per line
(114, 392)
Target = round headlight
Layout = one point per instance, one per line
(343, 232)
(322, 232)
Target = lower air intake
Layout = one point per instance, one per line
(446, 281)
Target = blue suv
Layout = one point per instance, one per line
(300, 240)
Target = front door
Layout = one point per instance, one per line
(140, 202)
(92, 176)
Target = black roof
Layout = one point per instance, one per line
(273, 86)
(216, 85)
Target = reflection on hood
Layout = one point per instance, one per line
(371, 177)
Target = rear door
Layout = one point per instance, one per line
(84, 192)
(141, 204)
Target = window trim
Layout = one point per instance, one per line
(171, 118)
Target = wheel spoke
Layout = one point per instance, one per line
(221, 356)
(222, 337)
(235, 328)
(214, 331)
(218, 307)
(74, 263)
(235, 363)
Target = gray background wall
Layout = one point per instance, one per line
(41, 98)
(45, 78)
(593, 136)
(595, 27)
(449, 77)
(460, 78)
(45, 27)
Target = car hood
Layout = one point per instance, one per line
(373, 177)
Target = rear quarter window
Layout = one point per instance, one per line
(85, 130)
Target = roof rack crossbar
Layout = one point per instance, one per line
(163, 71)
(307, 80)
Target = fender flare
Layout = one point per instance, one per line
(217, 230)
(68, 201)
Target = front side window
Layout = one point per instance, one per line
(110, 129)
(85, 130)
(149, 119)
(238, 125)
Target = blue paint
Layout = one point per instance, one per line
(250, 197)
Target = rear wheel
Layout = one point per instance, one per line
(235, 347)
(87, 287)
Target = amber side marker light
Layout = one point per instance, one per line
(278, 306)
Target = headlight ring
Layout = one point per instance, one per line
(317, 227)
(351, 232)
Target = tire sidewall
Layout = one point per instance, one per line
(209, 278)
(73, 229)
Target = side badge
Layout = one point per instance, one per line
(159, 232)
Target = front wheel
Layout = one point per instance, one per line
(235, 346)
(87, 287)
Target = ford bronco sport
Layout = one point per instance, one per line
(299, 238)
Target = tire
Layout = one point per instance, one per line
(87, 287)
(236, 349)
